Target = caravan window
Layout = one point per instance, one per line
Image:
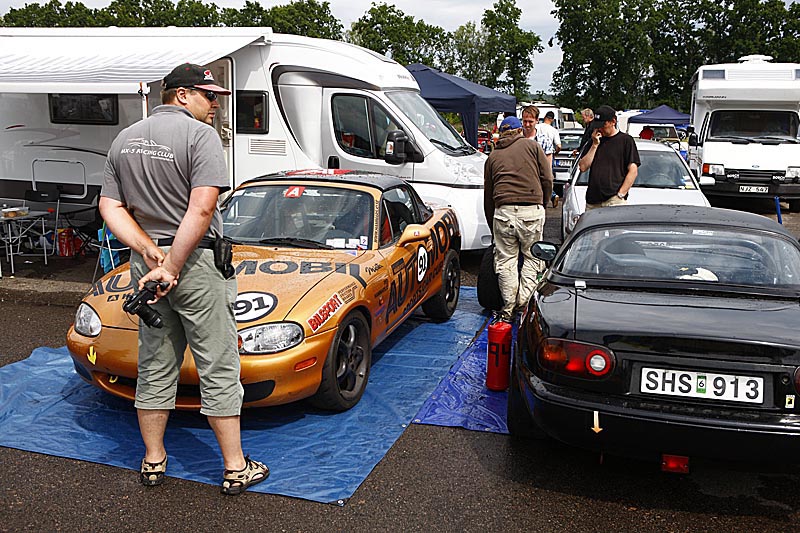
(252, 112)
(753, 124)
(84, 109)
(361, 126)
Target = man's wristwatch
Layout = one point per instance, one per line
(621, 196)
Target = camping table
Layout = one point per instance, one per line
(15, 229)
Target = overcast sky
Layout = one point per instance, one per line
(448, 14)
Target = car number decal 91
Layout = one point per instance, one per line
(253, 305)
(706, 385)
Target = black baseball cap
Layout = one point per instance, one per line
(550, 114)
(602, 115)
(189, 75)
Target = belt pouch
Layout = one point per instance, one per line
(223, 256)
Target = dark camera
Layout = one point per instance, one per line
(136, 304)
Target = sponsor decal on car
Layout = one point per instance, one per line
(348, 293)
(325, 312)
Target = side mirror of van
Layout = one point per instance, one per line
(400, 149)
(692, 139)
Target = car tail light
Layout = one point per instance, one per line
(677, 464)
(577, 359)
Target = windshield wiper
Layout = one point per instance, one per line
(296, 242)
(731, 138)
(777, 138)
(444, 145)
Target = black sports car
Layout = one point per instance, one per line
(663, 331)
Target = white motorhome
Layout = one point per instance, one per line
(745, 127)
(297, 103)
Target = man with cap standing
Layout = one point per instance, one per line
(162, 180)
(612, 160)
(518, 182)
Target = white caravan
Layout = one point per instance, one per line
(297, 103)
(745, 127)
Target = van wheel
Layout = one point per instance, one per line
(489, 296)
(442, 305)
(346, 369)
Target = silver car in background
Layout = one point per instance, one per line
(564, 159)
(664, 178)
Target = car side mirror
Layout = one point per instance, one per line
(546, 251)
(400, 149)
(693, 139)
(414, 233)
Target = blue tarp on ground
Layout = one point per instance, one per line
(462, 399)
(45, 407)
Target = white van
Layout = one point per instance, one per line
(564, 116)
(745, 127)
(298, 103)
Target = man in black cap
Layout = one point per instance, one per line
(612, 160)
(162, 179)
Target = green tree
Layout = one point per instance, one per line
(388, 31)
(467, 55)
(50, 15)
(512, 49)
(305, 17)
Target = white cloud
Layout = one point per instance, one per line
(449, 14)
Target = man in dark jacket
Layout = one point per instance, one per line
(517, 182)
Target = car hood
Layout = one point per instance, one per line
(280, 278)
(766, 157)
(646, 195)
(706, 325)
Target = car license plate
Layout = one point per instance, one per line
(753, 188)
(706, 385)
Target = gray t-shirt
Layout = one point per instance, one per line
(154, 164)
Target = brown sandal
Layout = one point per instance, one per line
(152, 474)
(236, 481)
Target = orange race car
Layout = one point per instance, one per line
(327, 264)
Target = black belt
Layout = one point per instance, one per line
(205, 243)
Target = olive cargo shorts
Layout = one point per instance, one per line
(197, 311)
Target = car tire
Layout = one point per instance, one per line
(346, 369)
(518, 419)
(442, 305)
(488, 286)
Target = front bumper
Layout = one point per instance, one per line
(647, 434)
(109, 362)
(784, 190)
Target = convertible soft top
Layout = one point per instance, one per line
(678, 215)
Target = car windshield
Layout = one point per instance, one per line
(660, 169)
(430, 123)
(301, 216)
(720, 256)
(570, 141)
(745, 124)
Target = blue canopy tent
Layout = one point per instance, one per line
(662, 114)
(450, 94)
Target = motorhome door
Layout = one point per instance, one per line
(355, 128)
(222, 70)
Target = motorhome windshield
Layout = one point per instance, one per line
(753, 124)
(437, 130)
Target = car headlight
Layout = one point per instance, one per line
(793, 173)
(465, 172)
(713, 170)
(87, 322)
(270, 338)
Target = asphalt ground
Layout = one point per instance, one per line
(433, 478)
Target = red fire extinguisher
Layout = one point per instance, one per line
(498, 363)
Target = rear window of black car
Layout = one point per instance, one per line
(706, 254)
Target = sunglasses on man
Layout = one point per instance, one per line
(211, 96)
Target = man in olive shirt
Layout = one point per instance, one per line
(518, 181)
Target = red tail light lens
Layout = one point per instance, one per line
(576, 359)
